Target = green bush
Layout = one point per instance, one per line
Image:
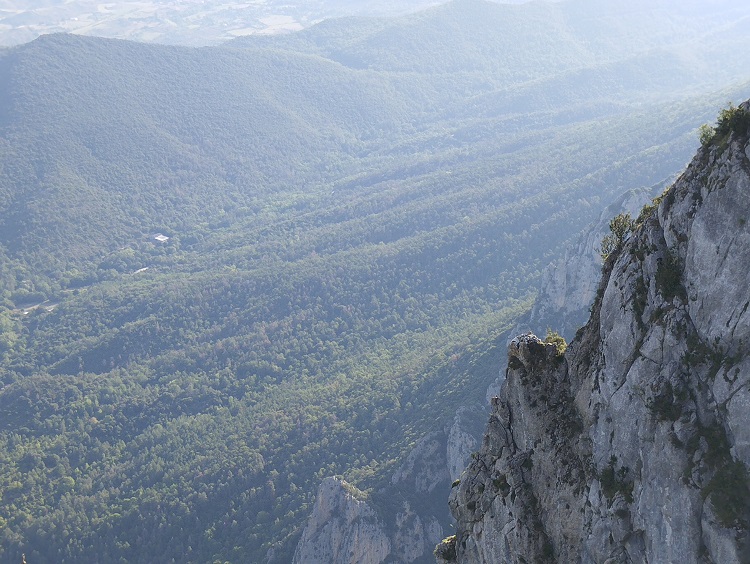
(706, 134)
(554, 338)
(733, 119)
(620, 227)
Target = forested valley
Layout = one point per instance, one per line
(229, 272)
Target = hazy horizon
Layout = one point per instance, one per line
(200, 23)
(184, 22)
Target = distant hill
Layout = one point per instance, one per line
(509, 43)
(351, 217)
(181, 128)
(179, 23)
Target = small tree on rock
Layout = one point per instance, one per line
(620, 227)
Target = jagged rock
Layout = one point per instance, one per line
(497, 493)
(417, 520)
(342, 528)
(345, 528)
(565, 297)
(445, 552)
(462, 442)
(412, 538)
(634, 446)
(425, 467)
(569, 284)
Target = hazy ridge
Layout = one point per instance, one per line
(355, 214)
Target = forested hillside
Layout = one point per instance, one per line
(229, 272)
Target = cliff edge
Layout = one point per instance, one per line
(633, 445)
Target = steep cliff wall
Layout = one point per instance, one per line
(634, 445)
(569, 284)
(403, 524)
(342, 528)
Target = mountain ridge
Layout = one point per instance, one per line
(206, 310)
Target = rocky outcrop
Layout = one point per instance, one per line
(569, 284)
(532, 433)
(402, 523)
(566, 294)
(342, 528)
(462, 441)
(425, 466)
(634, 445)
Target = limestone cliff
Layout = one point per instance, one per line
(402, 524)
(342, 528)
(569, 284)
(566, 294)
(633, 446)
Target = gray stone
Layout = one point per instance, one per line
(621, 450)
(342, 528)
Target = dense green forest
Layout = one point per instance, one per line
(351, 218)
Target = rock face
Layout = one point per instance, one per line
(567, 292)
(569, 284)
(461, 443)
(425, 466)
(634, 445)
(342, 528)
(346, 528)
